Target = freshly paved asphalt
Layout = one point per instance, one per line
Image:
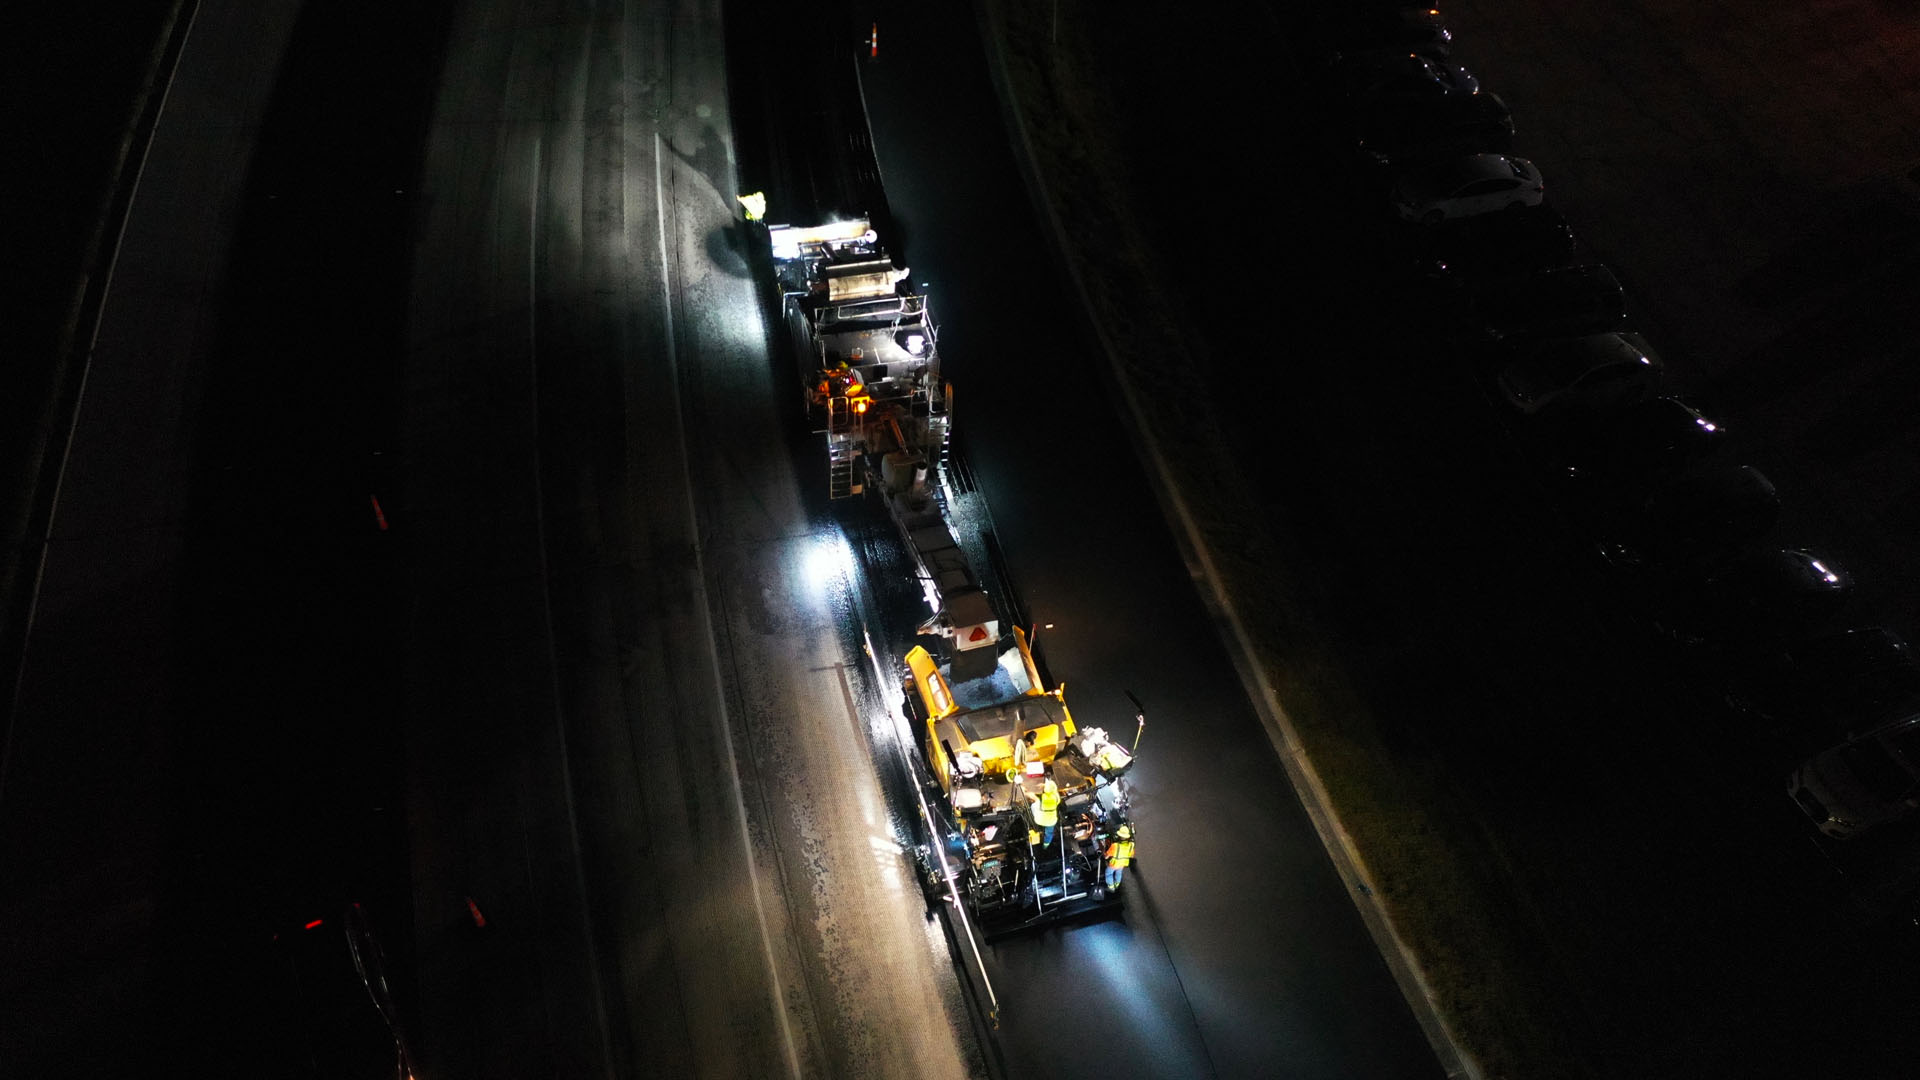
(1239, 953)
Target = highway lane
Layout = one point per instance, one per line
(1239, 953)
(599, 615)
(104, 927)
(635, 691)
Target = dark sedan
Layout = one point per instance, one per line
(1403, 75)
(1581, 376)
(1691, 520)
(1623, 456)
(1831, 686)
(1502, 246)
(1562, 302)
(1396, 131)
(1750, 602)
(1350, 31)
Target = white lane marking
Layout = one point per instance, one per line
(546, 604)
(701, 612)
(43, 544)
(934, 843)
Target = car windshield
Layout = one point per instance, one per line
(1876, 692)
(1571, 286)
(1878, 771)
(1665, 431)
(1906, 742)
(1565, 361)
(1532, 381)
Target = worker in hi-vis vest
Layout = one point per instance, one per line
(1046, 811)
(1119, 854)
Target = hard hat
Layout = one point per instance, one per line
(1125, 832)
(1050, 785)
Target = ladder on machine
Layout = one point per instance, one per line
(843, 426)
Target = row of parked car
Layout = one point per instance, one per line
(1648, 481)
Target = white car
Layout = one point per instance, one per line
(1465, 186)
(1866, 781)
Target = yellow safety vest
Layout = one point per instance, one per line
(1046, 809)
(1120, 853)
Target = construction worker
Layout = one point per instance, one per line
(840, 380)
(1119, 855)
(1046, 811)
(1023, 749)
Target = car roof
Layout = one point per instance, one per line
(1643, 439)
(1556, 284)
(1559, 361)
(1733, 501)
(1588, 350)
(1862, 648)
(1503, 245)
(1859, 678)
(1783, 571)
(1464, 169)
(1718, 484)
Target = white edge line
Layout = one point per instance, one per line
(933, 841)
(45, 541)
(704, 615)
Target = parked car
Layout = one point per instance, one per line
(1402, 75)
(1835, 685)
(1866, 781)
(1622, 457)
(1589, 374)
(1748, 602)
(1467, 185)
(1691, 520)
(1567, 301)
(1348, 31)
(1390, 131)
(1491, 246)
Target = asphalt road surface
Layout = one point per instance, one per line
(438, 535)
(431, 462)
(632, 615)
(1239, 953)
